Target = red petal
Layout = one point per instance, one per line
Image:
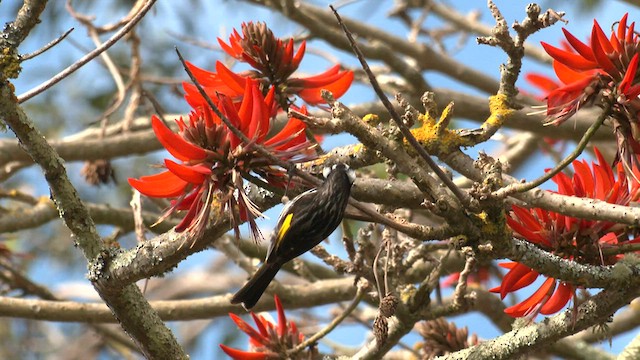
(193, 97)
(631, 34)
(299, 55)
(259, 122)
(558, 300)
(187, 201)
(603, 163)
(175, 144)
(234, 81)
(629, 75)
(542, 82)
(512, 277)
(583, 49)
(246, 107)
(567, 96)
(162, 185)
(294, 126)
(569, 76)
(287, 55)
(585, 178)
(338, 88)
(599, 35)
(530, 304)
(322, 76)
(524, 223)
(243, 355)
(282, 319)
(229, 110)
(574, 61)
(601, 47)
(194, 209)
(622, 28)
(247, 329)
(204, 77)
(190, 174)
(260, 324)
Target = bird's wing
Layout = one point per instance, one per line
(285, 219)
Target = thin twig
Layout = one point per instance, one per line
(464, 199)
(514, 188)
(46, 47)
(461, 287)
(322, 333)
(381, 291)
(90, 56)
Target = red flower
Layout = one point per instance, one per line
(267, 340)
(574, 239)
(274, 61)
(607, 66)
(542, 82)
(212, 159)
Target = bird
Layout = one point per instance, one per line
(303, 223)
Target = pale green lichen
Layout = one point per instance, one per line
(10, 64)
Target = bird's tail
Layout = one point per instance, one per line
(253, 289)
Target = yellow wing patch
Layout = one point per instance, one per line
(286, 224)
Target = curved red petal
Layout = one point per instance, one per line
(601, 47)
(247, 329)
(622, 28)
(604, 165)
(542, 82)
(194, 209)
(512, 277)
(583, 49)
(583, 179)
(204, 77)
(186, 173)
(599, 35)
(282, 319)
(558, 300)
(259, 121)
(162, 185)
(260, 324)
(229, 109)
(246, 107)
(175, 144)
(342, 83)
(525, 281)
(235, 82)
(568, 75)
(293, 127)
(243, 355)
(287, 55)
(631, 34)
(299, 55)
(629, 76)
(534, 301)
(322, 76)
(574, 61)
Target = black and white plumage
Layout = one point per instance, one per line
(303, 223)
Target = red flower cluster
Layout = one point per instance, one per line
(212, 160)
(580, 240)
(274, 62)
(606, 66)
(268, 340)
